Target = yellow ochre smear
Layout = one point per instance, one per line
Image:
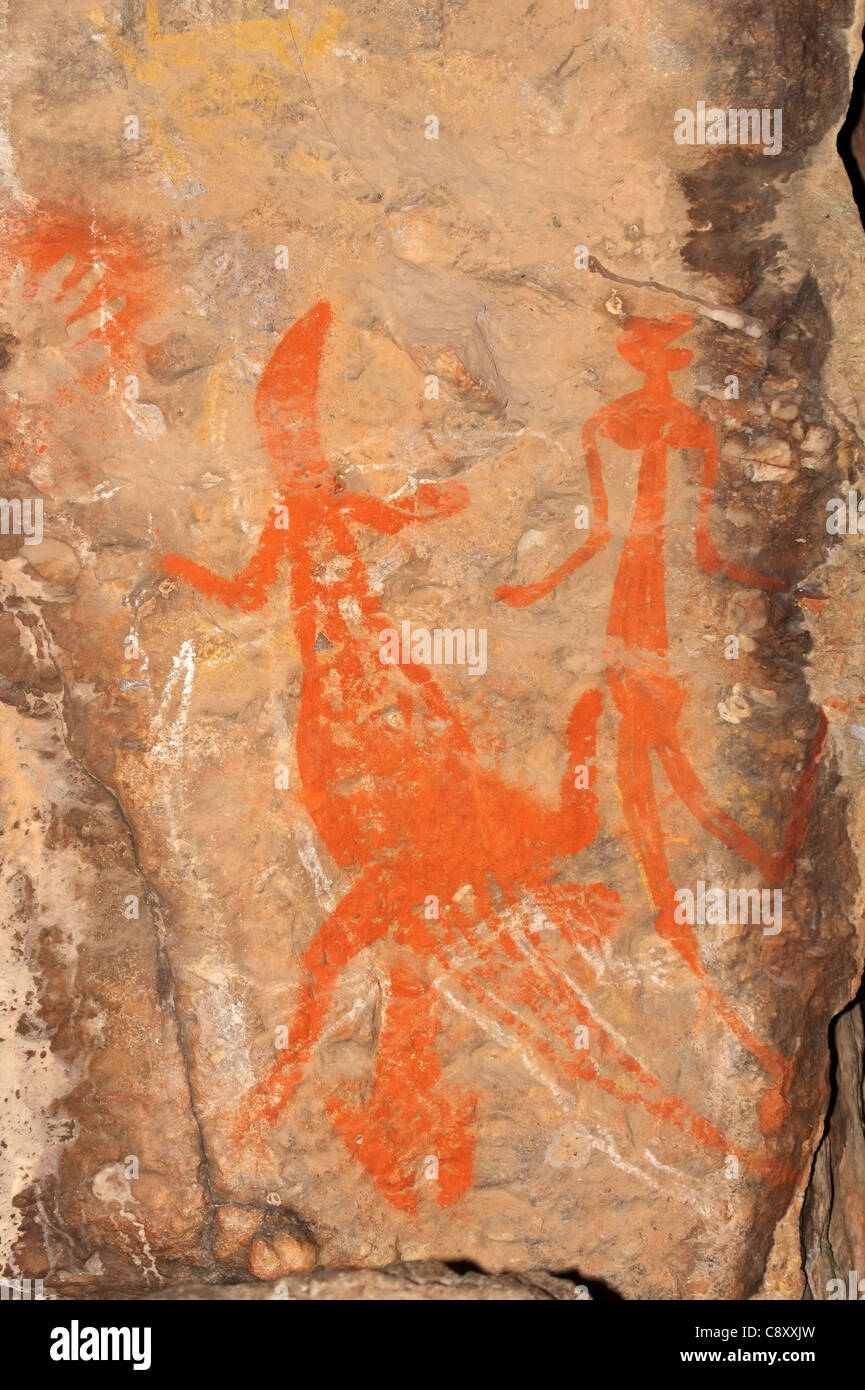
(199, 74)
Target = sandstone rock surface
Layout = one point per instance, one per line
(432, 603)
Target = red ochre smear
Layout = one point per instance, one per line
(395, 790)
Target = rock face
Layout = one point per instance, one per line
(420, 1281)
(431, 661)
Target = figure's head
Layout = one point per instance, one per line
(643, 343)
(286, 404)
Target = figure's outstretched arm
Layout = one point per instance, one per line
(522, 595)
(707, 556)
(246, 590)
(432, 501)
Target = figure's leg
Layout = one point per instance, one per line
(687, 785)
(775, 868)
(641, 813)
(410, 1130)
(640, 808)
(361, 918)
(803, 800)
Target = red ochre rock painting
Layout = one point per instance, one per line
(386, 761)
(647, 696)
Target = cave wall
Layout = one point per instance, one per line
(327, 950)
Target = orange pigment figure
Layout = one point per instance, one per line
(648, 696)
(395, 790)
